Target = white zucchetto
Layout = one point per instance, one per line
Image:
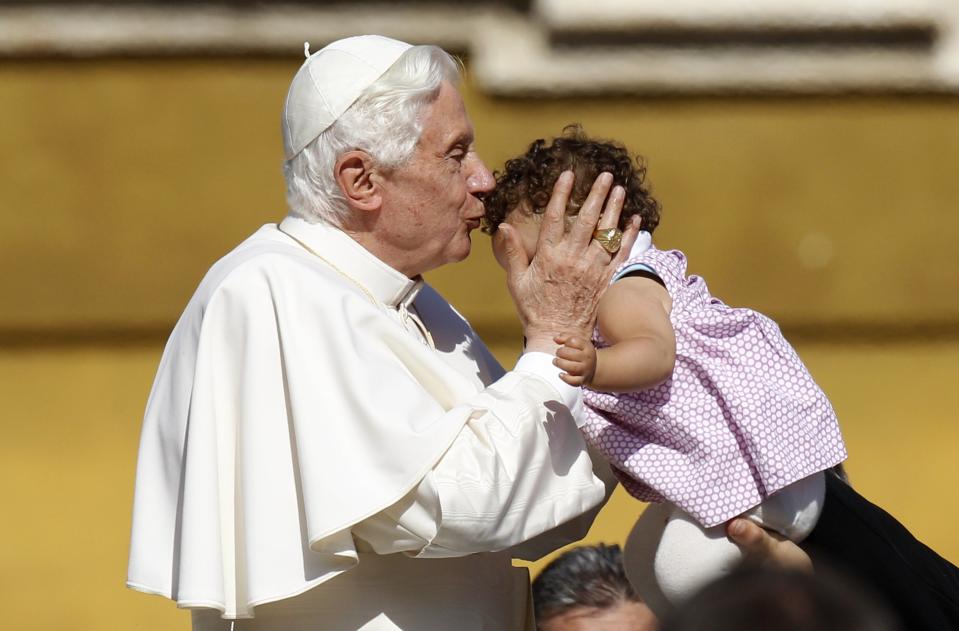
(330, 81)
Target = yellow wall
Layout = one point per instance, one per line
(121, 181)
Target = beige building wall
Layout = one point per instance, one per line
(121, 181)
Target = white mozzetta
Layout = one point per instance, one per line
(300, 423)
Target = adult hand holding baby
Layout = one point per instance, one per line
(557, 291)
(766, 547)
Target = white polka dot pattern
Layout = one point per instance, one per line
(739, 419)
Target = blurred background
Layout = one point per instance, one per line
(805, 153)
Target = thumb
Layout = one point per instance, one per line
(516, 259)
(767, 547)
(748, 536)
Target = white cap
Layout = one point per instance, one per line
(330, 81)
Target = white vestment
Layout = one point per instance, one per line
(327, 420)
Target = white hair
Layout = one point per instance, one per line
(384, 122)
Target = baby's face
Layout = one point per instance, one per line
(527, 224)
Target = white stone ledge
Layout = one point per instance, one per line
(516, 59)
(87, 30)
(624, 15)
(512, 53)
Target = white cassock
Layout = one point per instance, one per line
(329, 445)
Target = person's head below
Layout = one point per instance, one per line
(586, 588)
(524, 186)
(775, 599)
(378, 144)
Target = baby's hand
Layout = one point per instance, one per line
(577, 357)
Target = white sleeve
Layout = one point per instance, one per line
(576, 528)
(518, 468)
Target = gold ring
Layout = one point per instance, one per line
(610, 239)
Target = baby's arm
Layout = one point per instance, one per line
(634, 318)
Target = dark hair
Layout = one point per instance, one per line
(588, 576)
(771, 599)
(528, 179)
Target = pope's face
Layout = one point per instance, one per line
(430, 202)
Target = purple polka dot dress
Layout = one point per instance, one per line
(739, 419)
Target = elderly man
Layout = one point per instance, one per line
(328, 445)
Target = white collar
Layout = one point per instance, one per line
(643, 242)
(384, 283)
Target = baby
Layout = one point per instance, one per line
(701, 407)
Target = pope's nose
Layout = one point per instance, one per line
(480, 180)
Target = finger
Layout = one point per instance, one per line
(767, 547)
(571, 367)
(571, 379)
(629, 238)
(589, 212)
(516, 259)
(748, 536)
(576, 342)
(567, 340)
(614, 207)
(555, 217)
(571, 354)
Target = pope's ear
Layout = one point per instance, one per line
(353, 172)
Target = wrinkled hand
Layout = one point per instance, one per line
(558, 291)
(576, 356)
(768, 548)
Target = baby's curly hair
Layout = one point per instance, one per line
(528, 179)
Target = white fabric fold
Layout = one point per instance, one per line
(496, 486)
(541, 364)
(286, 409)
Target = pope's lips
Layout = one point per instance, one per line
(472, 223)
